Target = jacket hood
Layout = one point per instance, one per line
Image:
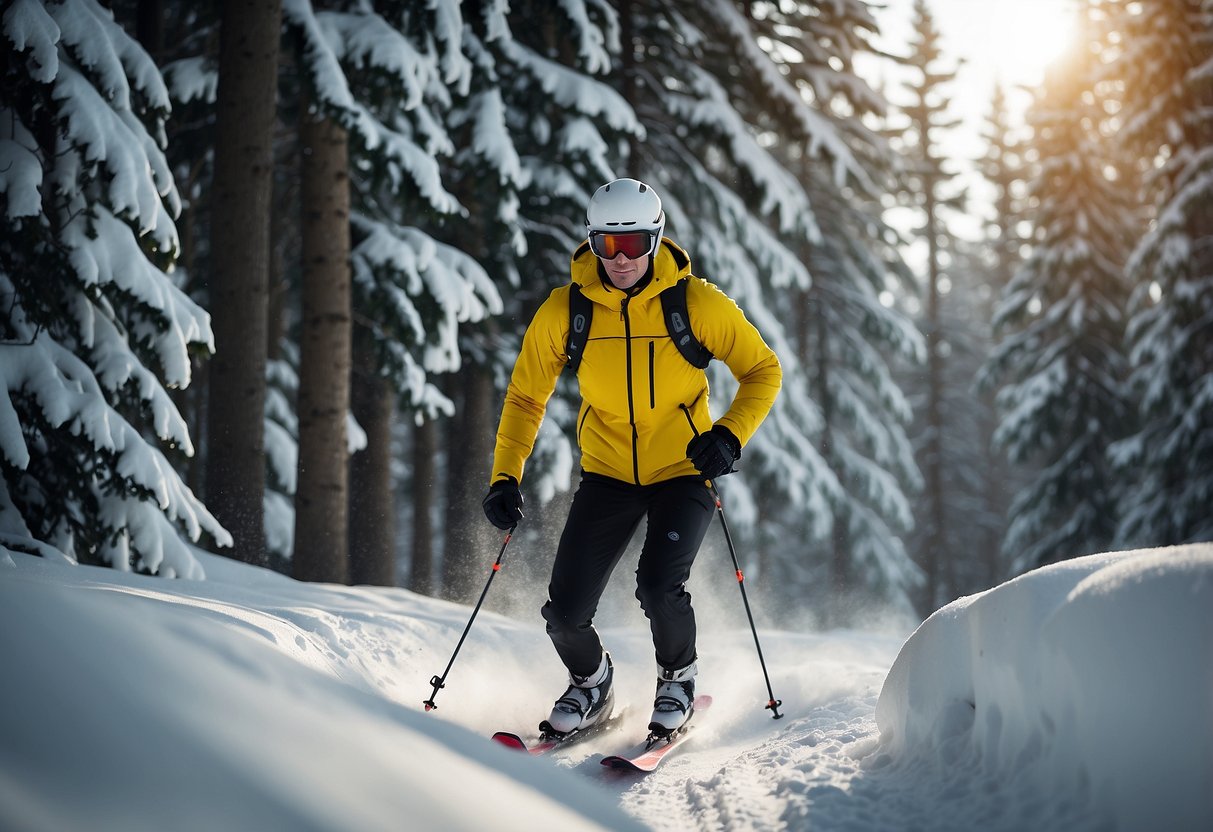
(670, 264)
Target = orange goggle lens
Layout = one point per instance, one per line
(633, 244)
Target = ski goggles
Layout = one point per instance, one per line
(633, 244)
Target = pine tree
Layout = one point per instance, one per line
(372, 511)
(755, 136)
(95, 327)
(844, 344)
(853, 335)
(387, 75)
(325, 361)
(240, 262)
(540, 131)
(1063, 319)
(189, 36)
(931, 192)
(1003, 167)
(1166, 65)
(980, 479)
(985, 276)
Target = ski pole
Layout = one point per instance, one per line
(439, 682)
(772, 703)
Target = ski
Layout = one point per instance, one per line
(649, 755)
(545, 743)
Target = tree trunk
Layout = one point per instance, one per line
(321, 502)
(372, 507)
(840, 553)
(627, 78)
(149, 28)
(936, 539)
(425, 448)
(471, 454)
(240, 252)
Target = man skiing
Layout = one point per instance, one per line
(648, 445)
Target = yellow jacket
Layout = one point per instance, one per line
(634, 383)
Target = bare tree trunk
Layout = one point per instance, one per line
(425, 448)
(936, 538)
(240, 252)
(149, 28)
(372, 508)
(471, 434)
(321, 502)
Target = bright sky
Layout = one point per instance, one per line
(1007, 41)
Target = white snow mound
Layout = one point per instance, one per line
(1082, 691)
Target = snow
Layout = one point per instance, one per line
(20, 170)
(28, 26)
(1074, 697)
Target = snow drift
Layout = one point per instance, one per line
(1081, 693)
(134, 703)
(1078, 697)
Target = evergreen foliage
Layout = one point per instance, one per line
(1166, 67)
(930, 189)
(477, 131)
(95, 329)
(1062, 357)
(758, 135)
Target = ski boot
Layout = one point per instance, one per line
(588, 701)
(674, 702)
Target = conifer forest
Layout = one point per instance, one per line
(266, 264)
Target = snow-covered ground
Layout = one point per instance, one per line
(1079, 697)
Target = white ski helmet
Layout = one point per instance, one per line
(624, 215)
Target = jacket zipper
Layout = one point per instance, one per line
(686, 411)
(627, 344)
(581, 424)
(652, 376)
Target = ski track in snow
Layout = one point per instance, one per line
(803, 771)
(745, 771)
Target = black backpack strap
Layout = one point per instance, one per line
(581, 312)
(678, 323)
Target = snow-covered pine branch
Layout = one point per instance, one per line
(96, 326)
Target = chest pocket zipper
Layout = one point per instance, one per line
(652, 376)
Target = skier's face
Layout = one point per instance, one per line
(625, 273)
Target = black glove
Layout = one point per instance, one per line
(503, 504)
(714, 452)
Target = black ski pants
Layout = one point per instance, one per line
(604, 515)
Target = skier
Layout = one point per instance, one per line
(649, 447)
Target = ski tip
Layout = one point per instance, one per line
(617, 763)
(509, 740)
